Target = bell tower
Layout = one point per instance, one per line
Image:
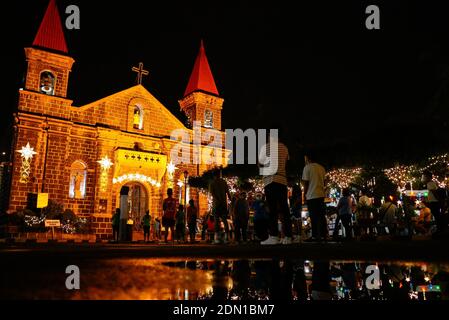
(201, 101)
(49, 66)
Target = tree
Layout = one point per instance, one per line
(376, 182)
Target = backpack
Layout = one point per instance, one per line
(382, 212)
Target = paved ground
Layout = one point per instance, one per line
(374, 251)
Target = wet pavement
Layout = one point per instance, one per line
(310, 271)
(249, 279)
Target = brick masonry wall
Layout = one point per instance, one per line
(102, 227)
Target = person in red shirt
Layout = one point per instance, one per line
(211, 227)
(169, 207)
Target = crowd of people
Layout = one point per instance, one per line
(277, 213)
(393, 217)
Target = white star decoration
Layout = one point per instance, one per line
(171, 168)
(27, 152)
(105, 163)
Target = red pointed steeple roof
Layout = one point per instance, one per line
(201, 78)
(50, 34)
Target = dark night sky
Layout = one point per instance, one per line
(311, 65)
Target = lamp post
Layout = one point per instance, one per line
(186, 180)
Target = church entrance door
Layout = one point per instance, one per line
(138, 203)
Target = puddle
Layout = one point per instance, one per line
(161, 279)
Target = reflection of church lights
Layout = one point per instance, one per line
(136, 177)
(27, 154)
(105, 164)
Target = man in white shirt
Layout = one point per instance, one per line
(276, 192)
(313, 180)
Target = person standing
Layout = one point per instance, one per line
(344, 208)
(363, 210)
(313, 179)
(241, 216)
(157, 228)
(116, 224)
(180, 224)
(388, 212)
(219, 189)
(210, 228)
(192, 215)
(296, 210)
(433, 201)
(260, 218)
(146, 223)
(364, 200)
(168, 219)
(276, 191)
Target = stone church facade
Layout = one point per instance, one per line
(82, 156)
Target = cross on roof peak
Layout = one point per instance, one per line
(140, 72)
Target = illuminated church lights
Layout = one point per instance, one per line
(137, 177)
(27, 154)
(105, 164)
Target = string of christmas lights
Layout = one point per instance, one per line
(342, 178)
(401, 175)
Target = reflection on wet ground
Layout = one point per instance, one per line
(159, 279)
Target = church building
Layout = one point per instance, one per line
(82, 156)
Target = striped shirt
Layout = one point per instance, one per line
(269, 161)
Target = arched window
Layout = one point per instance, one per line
(47, 83)
(208, 119)
(138, 118)
(189, 121)
(78, 176)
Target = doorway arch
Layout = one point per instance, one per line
(138, 201)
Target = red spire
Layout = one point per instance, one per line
(201, 78)
(50, 34)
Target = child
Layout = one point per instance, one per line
(260, 218)
(180, 224)
(211, 227)
(157, 228)
(241, 217)
(146, 223)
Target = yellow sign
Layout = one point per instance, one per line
(42, 200)
(53, 223)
